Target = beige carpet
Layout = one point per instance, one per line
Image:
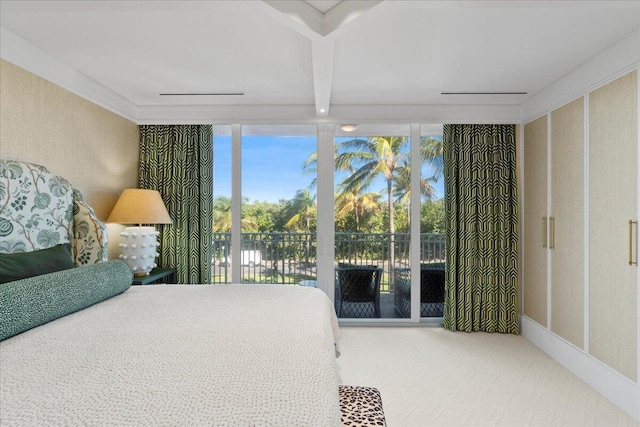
(433, 377)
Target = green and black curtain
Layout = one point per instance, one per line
(177, 160)
(481, 203)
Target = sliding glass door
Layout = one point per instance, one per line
(383, 225)
(372, 216)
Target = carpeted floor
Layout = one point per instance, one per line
(433, 377)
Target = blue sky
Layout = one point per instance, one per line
(272, 167)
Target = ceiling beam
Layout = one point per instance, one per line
(322, 57)
(304, 17)
(322, 30)
(345, 12)
(297, 15)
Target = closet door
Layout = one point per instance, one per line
(566, 224)
(535, 214)
(613, 180)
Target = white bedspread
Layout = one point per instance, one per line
(235, 355)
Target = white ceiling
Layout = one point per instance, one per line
(321, 54)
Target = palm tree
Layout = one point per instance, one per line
(431, 151)
(222, 216)
(402, 187)
(302, 209)
(376, 156)
(368, 159)
(356, 203)
(310, 166)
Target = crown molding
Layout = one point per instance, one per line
(25, 55)
(607, 65)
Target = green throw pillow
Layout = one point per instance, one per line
(27, 264)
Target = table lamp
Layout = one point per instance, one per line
(139, 244)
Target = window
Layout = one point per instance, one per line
(278, 219)
(220, 262)
(432, 222)
(372, 211)
(277, 211)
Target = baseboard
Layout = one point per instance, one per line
(620, 390)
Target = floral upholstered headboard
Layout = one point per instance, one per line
(39, 210)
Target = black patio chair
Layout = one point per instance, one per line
(358, 291)
(431, 291)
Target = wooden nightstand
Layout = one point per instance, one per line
(157, 276)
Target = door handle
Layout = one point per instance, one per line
(552, 232)
(544, 231)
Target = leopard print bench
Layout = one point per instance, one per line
(361, 406)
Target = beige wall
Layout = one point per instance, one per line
(93, 148)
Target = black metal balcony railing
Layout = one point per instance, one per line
(289, 258)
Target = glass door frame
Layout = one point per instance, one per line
(326, 221)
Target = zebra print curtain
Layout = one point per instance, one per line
(177, 160)
(481, 205)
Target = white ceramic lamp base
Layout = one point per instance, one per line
(139, 249)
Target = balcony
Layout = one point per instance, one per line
(290, 258)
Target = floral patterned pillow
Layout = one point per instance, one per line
(90, 234)
(39, 210)
(36, 208)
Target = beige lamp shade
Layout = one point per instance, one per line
(138, 206)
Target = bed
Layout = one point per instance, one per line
(236, 355)
(79, 346)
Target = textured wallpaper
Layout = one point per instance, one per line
(93, 148)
